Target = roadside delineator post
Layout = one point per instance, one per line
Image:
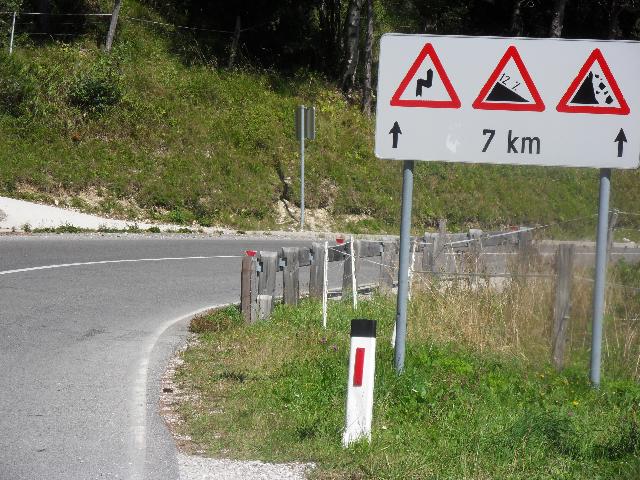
(360, 381)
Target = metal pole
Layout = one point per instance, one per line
(302, 135)
(403, 267)
(13, 30)
(325, 284)
(354, 282)
(601, 275)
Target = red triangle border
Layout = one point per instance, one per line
(427, 50)
(563, 105)
(537, 106)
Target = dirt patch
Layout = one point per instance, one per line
(318, 219)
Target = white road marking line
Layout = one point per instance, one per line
(104, 262)
(138, 405)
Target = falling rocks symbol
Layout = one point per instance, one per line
(621, 139)
(594, 92)
(586, 94)
(395, 131)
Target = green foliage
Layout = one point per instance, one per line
(278, 389)
(190, 142)
(98, 87)
(627, 273)
(16, 86)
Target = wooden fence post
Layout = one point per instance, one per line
(264, 306)
(440, 261)
(267, 276)
(562, 307)
(316, 271)
(291, 275)
(249, 289)
(112, 25)
(387, 267)
(268, 270)
(525, 241)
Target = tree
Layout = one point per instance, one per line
(330, 22)
(516, 19)
(351, 45)
(557, 18)
(44, 21)
(368, 60)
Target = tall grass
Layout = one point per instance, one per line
(515, 317)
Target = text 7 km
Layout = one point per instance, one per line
(527, 145)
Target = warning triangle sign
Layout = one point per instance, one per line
(510, 87)
(426, 84)
(594, 90)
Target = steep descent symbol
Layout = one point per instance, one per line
(433, 88)
(594, 90)
(510, 87)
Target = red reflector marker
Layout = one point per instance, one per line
(251, 253)
(358, 368)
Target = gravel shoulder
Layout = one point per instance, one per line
(192, 465)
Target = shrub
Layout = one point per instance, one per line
(16, 86)
(97, 88)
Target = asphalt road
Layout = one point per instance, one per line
(82, 347)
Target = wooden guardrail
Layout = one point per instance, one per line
(259, 272)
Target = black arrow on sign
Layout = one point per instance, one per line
(621, 139)
(396, 131)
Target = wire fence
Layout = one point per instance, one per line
(27, 24)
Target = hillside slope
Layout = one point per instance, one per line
(144, 133)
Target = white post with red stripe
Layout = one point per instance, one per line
(360, 382)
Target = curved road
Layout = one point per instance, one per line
(83, 346)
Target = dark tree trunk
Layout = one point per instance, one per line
(331, 27)
(557, 18)
(516, 19)
(44, 21)
(351, 45)
(614, 19)
(234, 43)
(368, 60)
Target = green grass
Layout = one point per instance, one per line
(276, 391)
(147, 132)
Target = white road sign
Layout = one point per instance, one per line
(509, 101)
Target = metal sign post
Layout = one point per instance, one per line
(516, 101)
(601, 275)
(305, 128)
(403, 264)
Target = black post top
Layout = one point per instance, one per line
(361, 327)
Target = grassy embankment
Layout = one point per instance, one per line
(156, 130)
(478, 399)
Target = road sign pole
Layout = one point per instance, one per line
(302, 135)
(403, 268)
(601, 275)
